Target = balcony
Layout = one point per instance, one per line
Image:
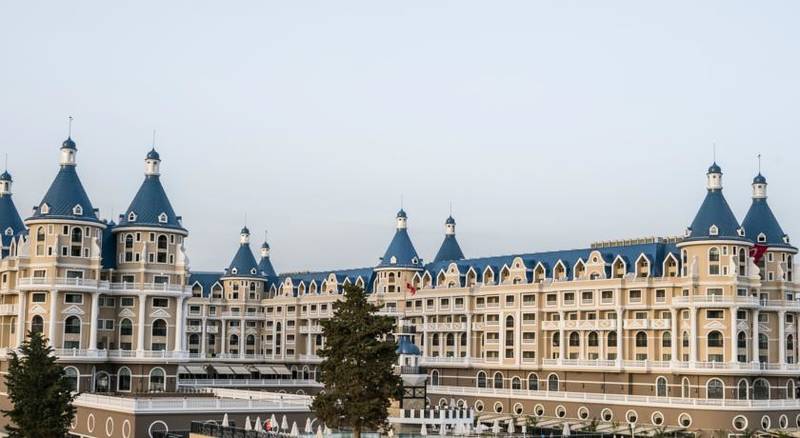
(129, 287)
(311, 329)
(78, 284)
(589, 324)
(446, 326)
(8, 309)
(644, 324)
(716, 299)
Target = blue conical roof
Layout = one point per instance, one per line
(450, 250)
(64, 194)
(243, 263)
(265, 267)
(714, 211)
(760, 219)
(10, 222)
(401, 251)
(405, 346)
(148, 205)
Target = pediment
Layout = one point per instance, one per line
(126, 313)
(73, 310)
(160, 313)
(714, 325)
(37, 309)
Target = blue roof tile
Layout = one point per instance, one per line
(9, 220)
(243, 264)
(401, 252)
(148, 205)
(714, 211)
(450, 250)
(205, 279)
(760, 219)
(64, 194)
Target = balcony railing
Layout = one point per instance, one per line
(27, 283)
(8, 309)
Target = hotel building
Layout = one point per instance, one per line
(698, 331)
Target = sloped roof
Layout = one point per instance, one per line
(206, 279)
(64, 194)
(109, 250)
(265, 267)
(450, 249)
(401, 250)
(244, 263)
(760, 219)
(9, 218)
(341, 275)
(149, 203)
(714, 211)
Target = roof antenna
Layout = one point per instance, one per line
(759, 164)
(154, 139)
(69, 131)
(265, 235)
(401, 201)
(715, 151)
(6, 162)
(245, 219)
(451, 208)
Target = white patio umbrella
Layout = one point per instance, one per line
(319, 432)
(443, 429)
(452, 402)
(390, 433)
(225, 420)
(496, 427)
(457, 430)
(295, 431)
(524, 429)
(247, 425)
(258, 426)
(510, 429)
(566, 429)
(273, 423)
(284, 423)
(308, 429)
(328, 431)
(423, 430)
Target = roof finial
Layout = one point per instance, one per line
(245, 219)
(6, 164)
(451, 208)
(714, 147)
(69, 130)
(759, 163)
(401, 201)
(265, 235)
(154, 139)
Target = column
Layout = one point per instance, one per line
(178, 324)
(22, 303)
(693, 335)
(469, 335)
(781, 337)
(734, 338)
(308, 337)
(675, 335)
(95, 314)
(754, 337)
(223, 347)
(601, 344)
(425, 339)
(141, 322)
(242, 334)
(562, 342)
(620, 337)
(203, 340)
(52, 326)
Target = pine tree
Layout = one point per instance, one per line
(357, 366)
(40, 393)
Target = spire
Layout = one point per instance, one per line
(10, 222)
(151, 206)
(68, 149)
(759, 183)
(714, 219)
(265, 265)
(450, 249)
(760, 222)
(401, 252)
(243, 263)
(5, 183)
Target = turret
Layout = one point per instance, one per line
(760, 222)
(714, 177)
(5, 184)
(68, 152)
(265, 265)
(244, 236)
(714, 219)
(450, 249)
(152, 163)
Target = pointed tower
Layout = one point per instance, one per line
(150, 235)
(400, 262)
(714, 219)
(265, 265)
(776, 261)
(10, 221)
(450, 249)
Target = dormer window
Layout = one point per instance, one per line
(740, 231)
(687, 233)
(131, 217)
(45, 209)
(786, 238)
(762, 238)
(415, 260)
(253, 271)
(713, 230)
(162, 218)
(234, 271)
(77, 210)
(393, 260)
(9, 231)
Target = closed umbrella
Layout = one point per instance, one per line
(225, 420)
(258, 427)
(247, 423)
(423, 430)
(273, 423)
(510, 427)
(524, 429)
(443, 429)
(496, 427)
(308, 428)
(319, 432)
(284, 423)
(295, 431)
(566, 429)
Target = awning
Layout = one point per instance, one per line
(238, 369)
(280, 370)
(222, 369)
(264, 369)
(194, 369)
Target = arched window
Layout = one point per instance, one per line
(516, 383)
(685, 340)
(129, 247)
(790, 389)
(71, 373)
(434, 378)
(763, 342)
(162, 249)
(233, 340)
(37, 324)
(124, 379)
(661, 387)
(685, 388)
(611, 340)
(715, 389)
(714, 339)
(574, 339)
(450, 340)
(641, 339)
(435, 339)
(533, 382)
(126, 327)
(76, 242)
(510, 322)
(250, 341)
(741, 340)
(666, 340)
(761, 389)
(552, 382)
(556, 339)
(157, 379)
(72, 325)
(481, 380)
(159, 328)
(790, 342)
(498, 380)
(742, 263)
(741, 389)
(713, 261)
(593, 339)
(102, 382)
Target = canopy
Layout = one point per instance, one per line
(264, 369)
(223, 369)
(280, 369)
(194, 369)
(238, 369)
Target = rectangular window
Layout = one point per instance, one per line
(607, 296)
(528, 318)
(528, 299)
(661, 295)
(38, 297)
(552, 299)
(635, 296)
(509, 300)
(160, 302)
(126, 302)
(73, 299)
(713, 314)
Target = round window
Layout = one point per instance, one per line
(561, 411)
(685, 419)
(583, 412)
(631, 416)
(606, 414)
(538, 410)
(739, 422)
(783, 422)
(657, 418)
(518, 408)
(478, 405)
(766, 423)
(498, 408)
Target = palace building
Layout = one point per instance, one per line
(697, 331)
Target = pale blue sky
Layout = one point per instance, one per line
(547, 124)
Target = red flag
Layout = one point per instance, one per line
(411, 287)
(757, 251)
